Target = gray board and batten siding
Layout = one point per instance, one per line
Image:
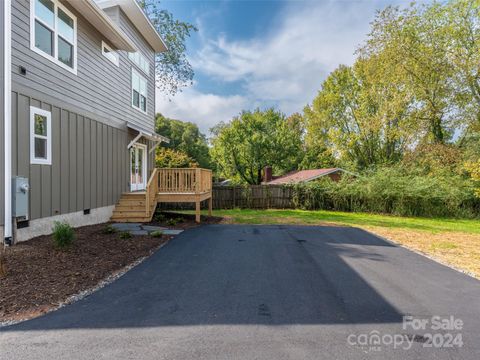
(89, 111)
(2, 124)
(100, 89)
(90, 161)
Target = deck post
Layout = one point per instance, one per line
(197, 209)
(210, 205)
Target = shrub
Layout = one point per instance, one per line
(109, 229)
(63, 234)
(391, 191)
(172, 222)
(156, 233)
(159, 217)
(125, 235)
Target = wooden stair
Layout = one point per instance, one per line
(131, 208)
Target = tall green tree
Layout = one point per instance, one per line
(172, 69)
(362, 118)
(463, 28)
(171, 158)
(414, 43)
(254, 139)
(186, 138)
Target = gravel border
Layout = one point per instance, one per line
(85, 293)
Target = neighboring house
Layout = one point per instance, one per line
(300, 176)
(78, 109)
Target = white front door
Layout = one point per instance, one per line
(138, 167)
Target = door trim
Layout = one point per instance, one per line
(143, 185)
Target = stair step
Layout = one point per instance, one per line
(129, 202)
(131, 208)
(122, 207)
(134, 219)
(133, 195)
(117, 213)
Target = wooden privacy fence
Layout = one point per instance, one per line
(252, 197)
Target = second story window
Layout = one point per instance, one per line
(139, 91)
(141, 61)
(53, 33)
(110, 54)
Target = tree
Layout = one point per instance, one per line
(171, 158)
(186, 138)
(172, 68)
(242, 148)
(414, 43)
(474, 169)
(433, 159)
(362, 118)
(463, 29)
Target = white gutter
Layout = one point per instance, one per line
(7, 117)
(102, 22)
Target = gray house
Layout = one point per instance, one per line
(77, 123)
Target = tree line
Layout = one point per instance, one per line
(409, 103)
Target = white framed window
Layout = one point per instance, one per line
(53, 33)
(141, 61)
(110, 54)
(139, 91)
(40, 136)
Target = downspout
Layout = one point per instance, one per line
(7, 117)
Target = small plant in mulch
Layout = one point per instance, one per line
(125, 235)
(156, 233)
(159, 217)
(109, 229)
(172, 222)
(63, 235)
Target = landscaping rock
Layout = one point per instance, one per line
(153, 228)
(139, 232)
(127, 226)
(171, 232)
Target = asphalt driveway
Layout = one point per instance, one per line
(266, 292)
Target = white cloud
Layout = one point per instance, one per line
(205, 110)
(284, 66)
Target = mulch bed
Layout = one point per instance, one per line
(41, 277)
(183, 221)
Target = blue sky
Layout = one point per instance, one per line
(250, 54)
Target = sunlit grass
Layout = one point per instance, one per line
(273, 216)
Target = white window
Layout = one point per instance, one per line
(139, 91)
(53, 33)
(141, 61)
(110, 54)
(40, 136)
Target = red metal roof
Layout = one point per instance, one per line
(302, 176)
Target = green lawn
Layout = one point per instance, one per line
(434, 225)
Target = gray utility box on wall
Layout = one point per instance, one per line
(20, 189)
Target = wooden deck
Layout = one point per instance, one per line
(166, 185)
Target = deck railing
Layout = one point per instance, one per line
(151, 192)
(177, 180)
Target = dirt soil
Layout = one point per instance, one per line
(173, 220)
(41, 277)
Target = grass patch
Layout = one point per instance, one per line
(319, 217)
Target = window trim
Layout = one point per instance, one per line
(131, 92)
(33, 18)
(108, 47)
(48, 115)
(131, 54)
